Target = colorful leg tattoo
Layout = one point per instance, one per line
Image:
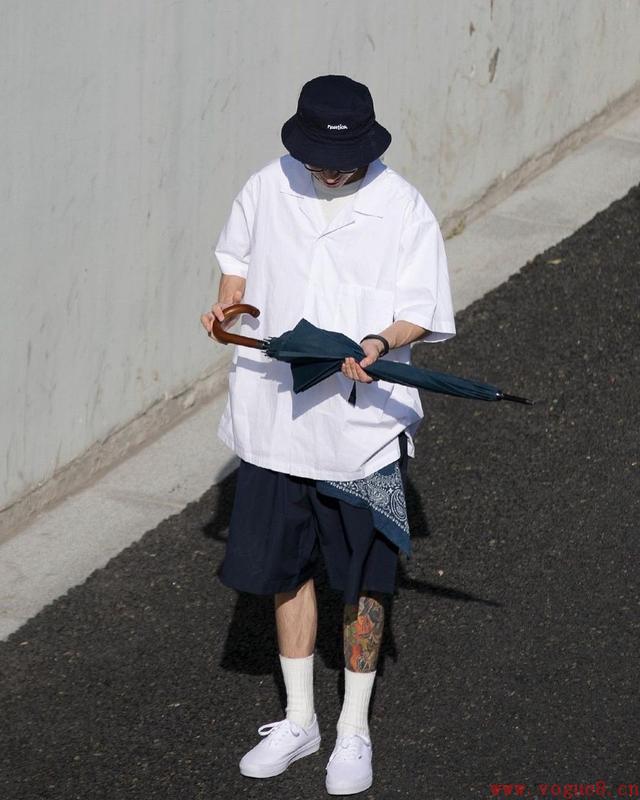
(363, 634)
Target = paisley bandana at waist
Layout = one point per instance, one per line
(383, 493)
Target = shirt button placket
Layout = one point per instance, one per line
(310, 298)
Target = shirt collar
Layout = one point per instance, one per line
(370, 199)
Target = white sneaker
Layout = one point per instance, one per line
(285, 743)
(349, 768)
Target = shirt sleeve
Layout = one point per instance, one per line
(233, 249)
(423, 295)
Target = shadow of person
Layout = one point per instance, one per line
(219, 498)
(250, 646)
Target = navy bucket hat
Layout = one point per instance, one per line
(335, 125)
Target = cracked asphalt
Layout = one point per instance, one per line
(511, 648)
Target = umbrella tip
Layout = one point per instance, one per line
(515, 399)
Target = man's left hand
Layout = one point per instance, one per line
(354, 370)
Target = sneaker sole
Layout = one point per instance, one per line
(353, 789)
(277, 769)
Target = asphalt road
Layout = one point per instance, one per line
(511, 649)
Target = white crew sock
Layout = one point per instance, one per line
(298, 680)
(355, 708)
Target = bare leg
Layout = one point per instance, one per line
(297, 621)
(363, 626)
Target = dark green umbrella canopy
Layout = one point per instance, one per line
(315, 354)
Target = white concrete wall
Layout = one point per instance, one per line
(127, 126)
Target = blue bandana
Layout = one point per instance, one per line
(383, 493)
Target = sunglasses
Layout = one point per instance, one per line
(328, 169)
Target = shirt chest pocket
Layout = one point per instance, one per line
(360, 310)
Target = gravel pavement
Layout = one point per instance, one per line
(511, 649)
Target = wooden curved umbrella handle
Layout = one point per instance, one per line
(224, 337)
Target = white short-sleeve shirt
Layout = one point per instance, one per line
(379, 260)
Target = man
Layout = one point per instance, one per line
(330, 234)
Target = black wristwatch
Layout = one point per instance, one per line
(381, 338)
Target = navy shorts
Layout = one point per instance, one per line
(280, 524)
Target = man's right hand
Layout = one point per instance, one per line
(207, 319)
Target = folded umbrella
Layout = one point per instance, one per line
(315, 354)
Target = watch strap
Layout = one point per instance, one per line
(381, 338)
